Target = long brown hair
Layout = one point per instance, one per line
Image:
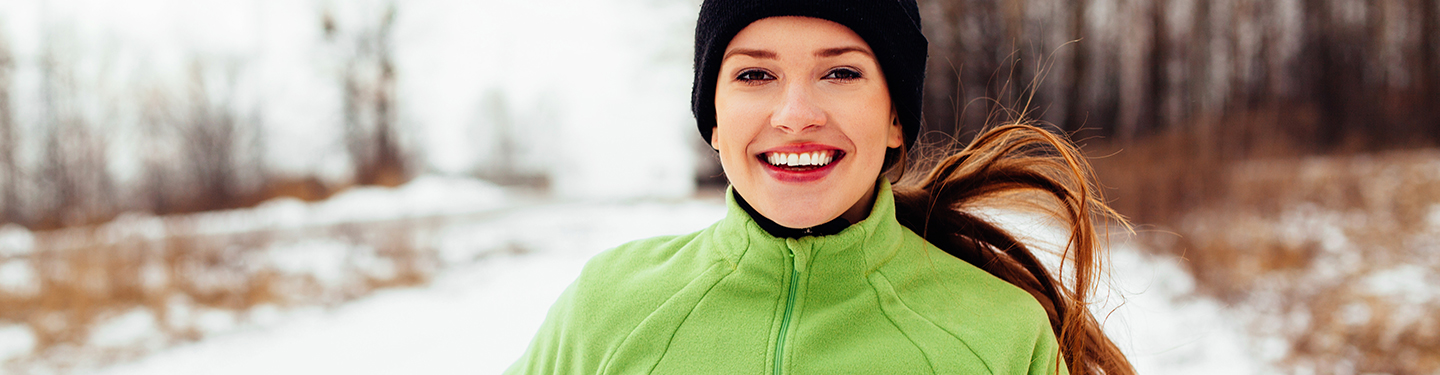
(1009, 164)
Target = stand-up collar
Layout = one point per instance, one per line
(879, 235)
(781, 231)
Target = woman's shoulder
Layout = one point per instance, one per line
(942, 278)
(649, 269)
(632, 258)
(995, 318)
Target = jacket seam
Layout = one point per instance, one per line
(881, 305)
(608, 362)
(927, 319)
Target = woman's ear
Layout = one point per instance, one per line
(896, 136)
(714, 139)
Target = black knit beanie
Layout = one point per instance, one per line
(891, 27)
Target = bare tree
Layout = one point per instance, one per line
(1427, 74)
(209, 132)
(943, 93)
(10, 210)
(1075, 112)
(1157, 74)
(369, 101)
(158, 187)
(72, 176)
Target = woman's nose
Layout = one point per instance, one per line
(798, 111)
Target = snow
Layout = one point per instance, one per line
(451, 327)
(324, 260)
(216, 321)
(1411, 283)
(1146, 305)
(15, 341)
(478, 316)
(423, 196)
(15, 240)
(506, 259)
(18, 277)
(475, 318)
(1163, 329)
(130, 329)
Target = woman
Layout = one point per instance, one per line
(821, 266)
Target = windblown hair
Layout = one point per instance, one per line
(1010, 164)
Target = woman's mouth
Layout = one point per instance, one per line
(800, 167)
(801, 161)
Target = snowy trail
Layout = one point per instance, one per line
(472, 321)
(477, 318)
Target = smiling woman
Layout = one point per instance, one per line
(821, 266)
(792, 90)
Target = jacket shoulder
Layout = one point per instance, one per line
(643, 262)
(616, 291)
(1001, 323)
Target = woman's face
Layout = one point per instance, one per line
(803, 118)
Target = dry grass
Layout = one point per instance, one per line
(89, 275)
(1335, 255)
(1316, 243)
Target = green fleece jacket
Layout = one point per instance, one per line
(732, 299)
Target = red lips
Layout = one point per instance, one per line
(800, 163)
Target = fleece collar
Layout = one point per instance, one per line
(781, 231)
(878, 236)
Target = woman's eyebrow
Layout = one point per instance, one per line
(832, 52)
(756, 53)
(771, 55)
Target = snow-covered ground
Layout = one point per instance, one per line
(472, 319)
(478, 315)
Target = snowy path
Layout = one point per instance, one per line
(477, 319)
(472, 321)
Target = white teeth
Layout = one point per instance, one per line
(818, 158)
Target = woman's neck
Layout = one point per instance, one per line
(856, 213)
(861, 209)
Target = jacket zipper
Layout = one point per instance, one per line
(789, 309)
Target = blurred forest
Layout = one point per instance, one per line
(72, 256)
(1341, 74)
(1185, 86)
(1284, 149)
(1224, 79)
(200, 142)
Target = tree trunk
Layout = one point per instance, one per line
(1426, 75)
(1157, 74)
(1075, 108)
(9, 167)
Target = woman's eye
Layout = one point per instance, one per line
(843, 74)
(754, 76)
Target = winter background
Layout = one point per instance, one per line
(373, 187)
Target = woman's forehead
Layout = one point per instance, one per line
(774, 36)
